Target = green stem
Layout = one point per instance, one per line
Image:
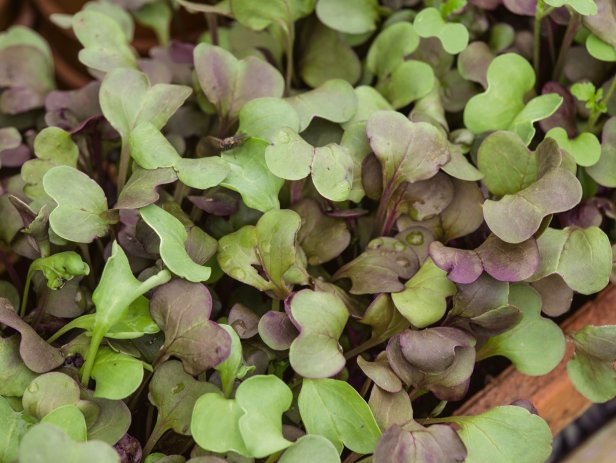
(97, 338)
(275, 305)
(273, 457)
(537, 37)
(24, 299)
(369, 344)
(124, 163)
(290, 33)
(155, 436)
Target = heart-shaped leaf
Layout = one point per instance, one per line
(430, 23)
(591, 370)
(333, 101)
(174, 393)
(81, 214)
(45, 442)
(408, 151)
(536, 344)
(331, 166)
(506, 163)
(173, 237)
(127, 100)
(585, 148)
(424, 298)
(516, 217)
(380, 267)
(229, 83)
(250, 424)
(502, 107)
(52, 147)
(320, 318)
(250, 176)
(333, 409)
(507, 434)
(272, 246)
(117, 375)
(182, 310)
(49, 392)
(581, 256)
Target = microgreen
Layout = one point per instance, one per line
(308, 236)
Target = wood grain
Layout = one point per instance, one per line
(556, 399)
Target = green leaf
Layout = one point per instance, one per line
(81, 214)
(501, 107)
(150, 149)
(584, 7)
(250, 177)
(583, 91)
(334, 101)
(430, 23)
(229, 83)
(292, 158)
(14, 425)
(106, 45)
(48, 392)
(14, 374)
(327, 55)
(141, 188)
(591, 370)
(70, 420)
(260, 16)
(424, 299)
(232, 367)
(173, 237)
(506, 434)
(250, 425)
(581, 256)
(333, 409)
(320, 318)
(271, 245)
(115, 292)
(157, 16)
(391, 47)
(506, 163)
(311, 448)
(117, 375)
(408, 151)
(599, 49)
(350, 16)
(127, 99)
(44, 443)
(410, 81)
(264, 117)
(536, 344)
(585, 148)
(174, 393)
(215, 424)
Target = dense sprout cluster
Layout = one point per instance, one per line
(299, 239)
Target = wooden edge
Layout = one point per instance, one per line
(553, 395)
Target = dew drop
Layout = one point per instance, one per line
(33, 388)
(415, 238)
(266, 246)
(177, 388)
(402, 262)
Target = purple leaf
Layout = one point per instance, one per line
(276, 330)
(182, 310)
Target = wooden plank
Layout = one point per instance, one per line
(556, 399)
